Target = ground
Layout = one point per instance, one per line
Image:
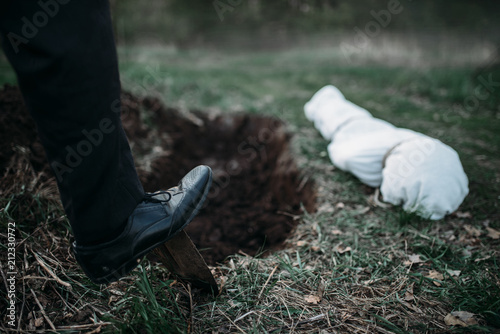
(347, 265)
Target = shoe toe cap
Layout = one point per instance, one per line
(198, 177)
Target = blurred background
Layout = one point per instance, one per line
(284, 23)
(189, 45)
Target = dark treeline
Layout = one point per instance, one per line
(181, 20)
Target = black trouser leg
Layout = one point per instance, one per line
(65, 58)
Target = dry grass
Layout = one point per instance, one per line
(350, 267)
(328, 279)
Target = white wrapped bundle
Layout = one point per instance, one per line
(426, 177)
(329, 110)
(320, 99)
(360, 148)
(359, 143)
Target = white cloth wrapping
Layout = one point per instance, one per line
(359, 143)
(329, 110)
(426, 177)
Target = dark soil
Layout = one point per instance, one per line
(17, 130)
(257, 188)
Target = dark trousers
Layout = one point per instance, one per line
(64, 55)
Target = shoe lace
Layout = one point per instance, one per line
(148, 197)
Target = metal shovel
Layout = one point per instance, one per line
(181, 257)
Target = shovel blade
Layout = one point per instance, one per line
(181, 257)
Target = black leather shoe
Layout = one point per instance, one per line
(158, 218)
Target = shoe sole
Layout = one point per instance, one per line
(128, 266)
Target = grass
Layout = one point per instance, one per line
(350, 266)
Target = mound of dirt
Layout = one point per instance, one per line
(257, 188)
(23, 166)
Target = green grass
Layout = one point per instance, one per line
(7, 75)
(368, 287)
